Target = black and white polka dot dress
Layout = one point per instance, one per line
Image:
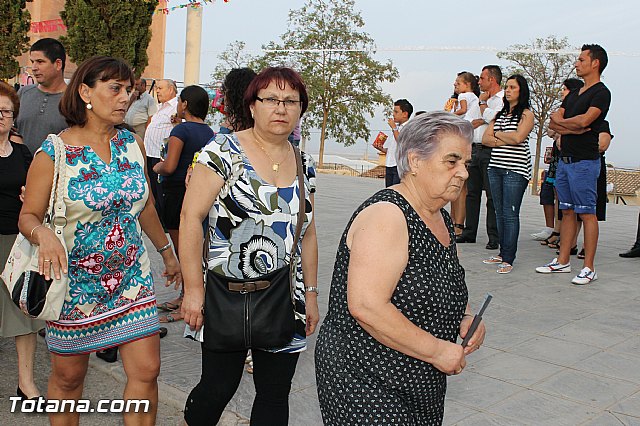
(361, 381)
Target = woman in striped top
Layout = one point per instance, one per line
(510, 166)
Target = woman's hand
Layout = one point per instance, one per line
(187, 178)
(478, 337)
(171, 269)
(313, 316)
(449, 358)
(192, 307)
(157, 167)
(51, 255)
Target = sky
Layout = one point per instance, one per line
(474, 29)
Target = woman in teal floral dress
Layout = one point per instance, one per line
(246, 183)
(110, 299)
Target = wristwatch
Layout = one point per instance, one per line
(482, 102)
(312, 290)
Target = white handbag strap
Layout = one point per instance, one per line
(57, 209)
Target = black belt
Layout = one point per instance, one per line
(569, 160)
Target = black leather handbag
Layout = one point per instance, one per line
(257, 313)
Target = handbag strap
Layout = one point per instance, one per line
(57, 210)
(302, 199)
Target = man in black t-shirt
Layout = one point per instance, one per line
(582, 112)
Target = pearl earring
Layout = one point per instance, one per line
(89, 106)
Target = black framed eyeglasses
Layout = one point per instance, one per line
(6, 113)
(274, 103)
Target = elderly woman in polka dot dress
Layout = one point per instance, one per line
(398, 296)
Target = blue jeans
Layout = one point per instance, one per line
(507, 188)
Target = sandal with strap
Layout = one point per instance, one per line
(492, 260)
(171, 317)
(169, 306)
(504, 268)
(554, 245)
(553, 238)
(459, 226)
(573, 251)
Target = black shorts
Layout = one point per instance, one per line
(173, 195)
(547, 196)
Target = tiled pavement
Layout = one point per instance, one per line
(555, 353)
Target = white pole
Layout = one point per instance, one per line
(192, 46)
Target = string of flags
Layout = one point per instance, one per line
(192, 3)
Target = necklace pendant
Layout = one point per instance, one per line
(275, 167)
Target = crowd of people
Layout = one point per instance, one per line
(239, 205)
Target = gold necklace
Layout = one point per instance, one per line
(275, 165)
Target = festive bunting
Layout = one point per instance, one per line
(192, 3)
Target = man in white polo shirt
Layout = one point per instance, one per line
(158, 130)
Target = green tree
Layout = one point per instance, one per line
(234, 56)
(15, 21)
(107, 27)
(334, 58)
(545, 63)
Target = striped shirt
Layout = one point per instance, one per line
(513, 157)
(159, 128)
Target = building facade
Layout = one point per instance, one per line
(46, 22)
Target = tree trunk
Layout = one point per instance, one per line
(323, 134)
(536, 160)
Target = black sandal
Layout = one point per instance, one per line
(459, 226)
(573, 252)
(549, 240)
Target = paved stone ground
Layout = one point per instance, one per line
(555, 353)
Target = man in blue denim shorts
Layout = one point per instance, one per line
(583, 111)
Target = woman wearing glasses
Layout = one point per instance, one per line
(15, 159)
(247, 184)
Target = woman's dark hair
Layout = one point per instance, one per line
(10, 92)
(468, 77)
(234, 86)
(197, 100)
(103, 68)
(523, 99)
(573, 83)
(281, 76)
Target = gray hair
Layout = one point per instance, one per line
(422, 134)
(172, 84)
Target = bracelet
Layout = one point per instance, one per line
(31, 233)
(311, 290)
(467, 315)
(164, 248)
(395, 129)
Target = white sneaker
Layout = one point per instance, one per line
(585, 277)
(542, 235)
(554, 266)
